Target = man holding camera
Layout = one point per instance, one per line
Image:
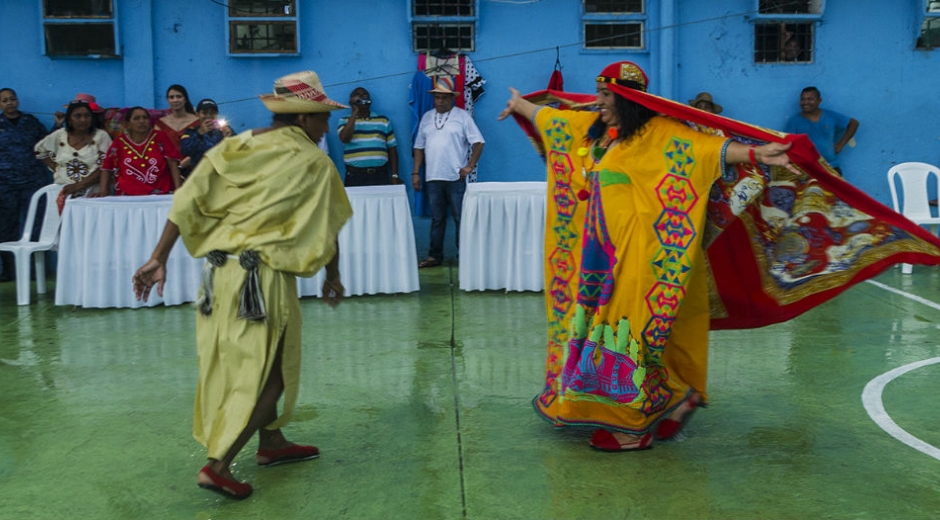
(369, 147)
(195, 142)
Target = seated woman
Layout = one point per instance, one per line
(180, 118)
(74, 152)
(210, 132)
(143, 161)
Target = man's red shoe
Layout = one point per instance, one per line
(295, 453)
(224, 486)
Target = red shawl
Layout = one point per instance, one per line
(779, 243)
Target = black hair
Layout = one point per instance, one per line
(130, 112)
(75, 105)
(182, 90)
(811, 89)
(632, 116)
(8, 88)
(287, 119)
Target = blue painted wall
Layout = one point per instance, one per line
(865, 65)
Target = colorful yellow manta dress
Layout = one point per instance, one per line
(275, 193)
(625, 270)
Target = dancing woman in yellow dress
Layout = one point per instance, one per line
(625, 272)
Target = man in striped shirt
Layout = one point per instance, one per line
(369, 147)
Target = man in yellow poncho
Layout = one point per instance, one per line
(262, 207)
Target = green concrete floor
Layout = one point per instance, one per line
(421, 406)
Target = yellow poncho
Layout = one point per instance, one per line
(278, 194)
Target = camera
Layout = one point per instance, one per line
(363, 102)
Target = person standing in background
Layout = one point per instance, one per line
(370, 151)
(829, 131)
(21, 173)
(450, 144)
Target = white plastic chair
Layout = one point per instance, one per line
(24, 248)
(915, 179)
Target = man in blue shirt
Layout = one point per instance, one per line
(829, 131)
(370, 151)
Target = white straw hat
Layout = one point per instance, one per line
(299, 93)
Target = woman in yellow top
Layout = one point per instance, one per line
(625, 278)
(263, 207)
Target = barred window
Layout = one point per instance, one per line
(789, 7)
(776, 42)
(259, 27)
(929, 37)
(79, 28)
(614, 24)
(443, 24)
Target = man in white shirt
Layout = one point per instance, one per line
(449, 144)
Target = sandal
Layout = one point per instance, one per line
(295, 453)
(669, 428)
(429, 262)
(224, 486)
(603, 440)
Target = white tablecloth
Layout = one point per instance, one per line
(377, 253)
(502, 236)
(103, 242)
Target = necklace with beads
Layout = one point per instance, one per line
(599, 148)
(441, 120)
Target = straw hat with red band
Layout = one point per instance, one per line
(299, 93)
(89, 100)
(617, 74)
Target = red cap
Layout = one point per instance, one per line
(619, 72)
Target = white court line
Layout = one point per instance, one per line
(871, 399)
(907, 295)
(871, 396)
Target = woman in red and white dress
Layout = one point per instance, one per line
(142, 160)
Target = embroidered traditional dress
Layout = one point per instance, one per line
(627, 302)
(141, 168)
(275, 193)
(73, 164)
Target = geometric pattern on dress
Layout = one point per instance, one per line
(665, 299)
(598, 255)
(562, 266)
(675, 229)
(656, 334)
(676, 193)
(559, 135)
(559, 140)
(672, 265)
(679, 158)
(561, 167)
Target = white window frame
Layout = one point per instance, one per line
(473, 21)
(812, 18)
(285, 19)
(931, 14)
(76, 21)
(821, 6)
(614, 18)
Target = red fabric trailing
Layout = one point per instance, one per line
(763, 272)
